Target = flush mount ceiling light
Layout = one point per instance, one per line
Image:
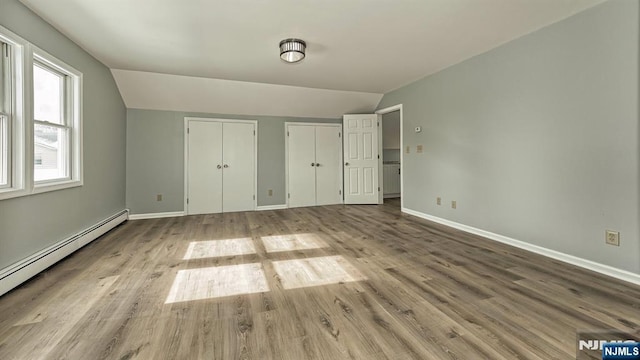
(292, 50)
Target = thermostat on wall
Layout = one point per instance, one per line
(418, 128)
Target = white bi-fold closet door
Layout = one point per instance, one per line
(314, 164)
(220, 165)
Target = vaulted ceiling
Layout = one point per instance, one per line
(364, 46)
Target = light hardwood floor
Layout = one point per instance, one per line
(333, 282)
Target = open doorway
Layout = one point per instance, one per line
(391, 154)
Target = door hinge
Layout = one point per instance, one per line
(188, 130)
(339, 134)
(187, 200)
(339, 192)
(378, 188)
(378, 123)
(289, 196)
(378, 156)
(287, 133)
(254, 133)
(254, 197)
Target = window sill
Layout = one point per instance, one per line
(53, 186)
(9, 193)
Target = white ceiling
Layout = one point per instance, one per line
(371, 46)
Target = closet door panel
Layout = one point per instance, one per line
(328, 165)
(204, 187)
(238, 167)
(301, 165)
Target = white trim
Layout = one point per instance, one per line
(574, 260)
(156, 215)
(402, 163)
(186, 155)
(271, 207)
(16, 274)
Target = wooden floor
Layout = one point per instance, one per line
(334, 282)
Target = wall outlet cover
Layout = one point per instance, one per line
(612, 237)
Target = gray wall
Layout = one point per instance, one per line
(538, 139)
(31, 223)
(155, 158)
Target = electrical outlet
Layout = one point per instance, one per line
(438, 201)
(159, 197)
(270, 192)
(612, 237)
(454, 204)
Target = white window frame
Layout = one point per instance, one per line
(73, 121)
(17, 171)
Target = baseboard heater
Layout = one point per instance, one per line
(16, 274)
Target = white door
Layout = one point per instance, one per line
(301, 165)
(328, 165)
(238, 166)
(204, 169)
(360, 159)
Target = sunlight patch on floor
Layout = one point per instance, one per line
(218, 248)
(292, 242)
(215, 282)
(316, 271)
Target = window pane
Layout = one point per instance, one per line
(51, 155)
(5, 92)
(47, 95)
(4, 151)
(4, 84)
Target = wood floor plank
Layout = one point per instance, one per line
(420, 291)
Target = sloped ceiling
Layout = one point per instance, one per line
(361, 46)
(142, 90)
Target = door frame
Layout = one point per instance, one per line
(286, 154)
(185, 187)
(402, 164)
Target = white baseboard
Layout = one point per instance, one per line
(271, 207)
(156, 215)
(388, 196)
(574, 260)
(23, 270)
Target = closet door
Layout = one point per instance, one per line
(204, 187)
(328, 165)
(238, 167)
(302, 170)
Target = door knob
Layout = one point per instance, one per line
(219, 167)
(312, 164)
(226, 166)
(346, 164)
(317, 164)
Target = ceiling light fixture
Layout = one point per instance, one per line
(292, 50)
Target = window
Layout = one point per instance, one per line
(5, 99)
(56, 123)
(12, 150)
(55, 159)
